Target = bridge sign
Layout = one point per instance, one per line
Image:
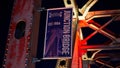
(58, 36)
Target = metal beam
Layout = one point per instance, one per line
(102, 13)
(107, 55)
(34, 35)
(101, 31)
(71, 3)
(84, 10)
(99, 47)
(104, 63)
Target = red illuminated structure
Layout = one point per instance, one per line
(86, 54)
(23, 35)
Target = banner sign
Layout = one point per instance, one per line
(58, 36)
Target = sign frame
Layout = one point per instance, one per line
(61, 19)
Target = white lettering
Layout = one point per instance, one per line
(66, 34)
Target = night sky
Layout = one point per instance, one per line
(5, 15)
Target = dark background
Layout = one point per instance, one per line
(5, 15)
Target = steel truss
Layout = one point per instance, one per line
(85, 55)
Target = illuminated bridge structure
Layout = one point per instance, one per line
(96, 36)
(96, 44)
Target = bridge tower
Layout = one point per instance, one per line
(91, 26)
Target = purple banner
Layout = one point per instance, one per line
(58, 36)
